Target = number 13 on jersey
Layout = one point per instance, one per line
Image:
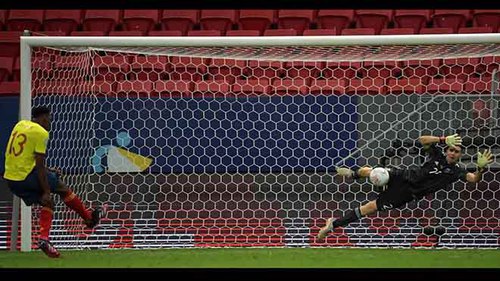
(16, 144)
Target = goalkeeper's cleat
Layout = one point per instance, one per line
(323, 232)
(97, 215)
(48, 248)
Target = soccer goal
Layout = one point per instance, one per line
(232, 141)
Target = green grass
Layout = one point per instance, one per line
(259, 258)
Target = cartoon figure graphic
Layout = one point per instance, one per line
(119, 159)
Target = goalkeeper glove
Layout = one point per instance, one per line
(345, 172)
(483, 159)
(453, 140)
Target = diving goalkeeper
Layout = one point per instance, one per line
(405, 185)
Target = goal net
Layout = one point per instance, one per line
(206, 145)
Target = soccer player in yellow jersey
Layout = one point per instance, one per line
(29, 178)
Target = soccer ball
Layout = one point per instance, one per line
(379, 176)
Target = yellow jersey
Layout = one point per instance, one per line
(26, 139)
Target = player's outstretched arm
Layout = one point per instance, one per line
(363, 172)
(483, 160)
(451, 140)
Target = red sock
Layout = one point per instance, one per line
(75, 204)
(45, 222)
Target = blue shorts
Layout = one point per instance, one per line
(30, 189)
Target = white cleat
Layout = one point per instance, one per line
(323, 232)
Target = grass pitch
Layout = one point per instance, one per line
(257, 258)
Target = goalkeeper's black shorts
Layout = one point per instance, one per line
(397, 192)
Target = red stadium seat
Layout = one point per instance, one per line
(382, 69)
(134, 88)
(376, 19)
(182, 20)
(290, 86)
(111, 68)
(150, 68)
(303, 69)
(6, 64)
(256, 19)
(328, 86)
(188, 68)
(397, 31)
(218, 19)
(335, 19)
(340, 70)
(488, 18)
(50, 33)
(406, 86)
(88, 33)
(9, 43)
(204, 33)
(264, 69)
(243, 33)
(280, 32)
(453, 19)
(421, 68)
(101, 20)
(446, 85)
(174, 88)
(127, 33)
(437, 30)
(3, 17)
(479, 85)
(358, 31)
(459, 67)
(252, 86)
(212, 88)
(320, 32)
(488, 65)
(226, 69)
(20, 20)
(165, 33)
(295, 19)
(367, 86)
(62, 20)
(63, 87)
(141, 20)
(478, 29)
(10, 88)
(415, 19)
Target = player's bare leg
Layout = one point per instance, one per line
(351, 216)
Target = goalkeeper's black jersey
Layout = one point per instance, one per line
(434, 174)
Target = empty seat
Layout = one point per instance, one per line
(367, 86)
(415, 19)
(6, 64)
(101, 20)
(256, 20)
(261, 69)
(63, 87)
(381, 69)
(477, 29)
(50, 33)
(252, 86)
(212, 88)
(188, 68)
(397, 31)
(459, 67)
(303, 69)
(344, 69)
(9, 43)
(290, 86)
(328, 86)
(444, 85)
(487, 18)
(478, 85)
(62, 20)
(88, 33)
(218, 19)
(20, 20)
(174, 88)
(421, 68)
(204, 33)
(142, 20)
(8, 88)
(127, 33)
(406, 86)
(453, 19)
(150, 68)
(3, 17)
(295, 19)
(437, 30)
(111, 68)
(182, 20)
(134, 88)
(319, 32)
(334, 19)
(165, 33)
(225, 69)
(376, 19)
(280, 32)
(243, 33)
(358, 31)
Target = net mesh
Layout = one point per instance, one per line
(235, 146)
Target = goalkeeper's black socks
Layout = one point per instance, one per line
(355, 174)
(351, 216)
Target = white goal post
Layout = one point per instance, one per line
(414, 114)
